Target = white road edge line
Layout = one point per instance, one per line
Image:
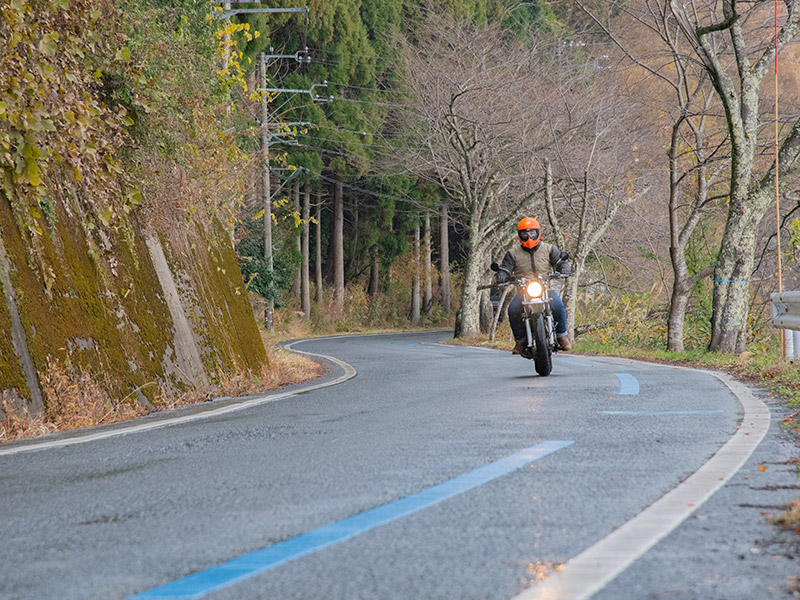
(349, 373)
(592, 569)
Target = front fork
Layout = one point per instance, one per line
(550, 328)
(528, 329)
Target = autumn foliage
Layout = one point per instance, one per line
(59, 137)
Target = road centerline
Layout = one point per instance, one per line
(249, 565)
(628, 384)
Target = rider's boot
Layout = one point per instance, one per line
(518, 348)
(563, 341)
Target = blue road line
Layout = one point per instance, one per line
(655, 413)
(628, 384)
(223, 575)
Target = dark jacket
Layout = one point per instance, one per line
(521, 262)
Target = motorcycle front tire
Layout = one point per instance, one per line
(542, 358)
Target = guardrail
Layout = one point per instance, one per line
(786, 316)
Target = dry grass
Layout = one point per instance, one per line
(74, 399)
(790, 519)
(16, 423)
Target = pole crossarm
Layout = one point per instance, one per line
(309, 91)
(300, 56)
(224, 14)
(290, 124)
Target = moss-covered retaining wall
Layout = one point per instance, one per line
(99, 306)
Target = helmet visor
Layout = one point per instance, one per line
(528, 234)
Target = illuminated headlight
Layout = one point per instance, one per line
(534, 289)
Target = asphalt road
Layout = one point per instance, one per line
(416, 446)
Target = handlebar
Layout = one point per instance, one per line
(553, 275)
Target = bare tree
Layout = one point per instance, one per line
(469, 124)
(691, 156)
(594, 173)
(734, 43)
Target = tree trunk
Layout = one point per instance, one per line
(427, 297)
(374, 274)
(736, 256)
(469, 321)
(444, 259)
(571, 292)
(415, 285)
(731, 282)
(679, 300)
(305, 291)
(318, 249)
(338, 247)
(499, 313)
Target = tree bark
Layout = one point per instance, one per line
(427, 297)
(499, 312)
(415, 285)
(374, 274)
(444, 259)
(338, 247)
(469, 320)
(305, 291)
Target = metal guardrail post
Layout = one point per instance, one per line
(786, 316)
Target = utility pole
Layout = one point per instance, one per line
(266, 192)
(318, 253)
(305, 291)
(338, 247)
(227, 9)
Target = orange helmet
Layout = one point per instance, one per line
(529, 233)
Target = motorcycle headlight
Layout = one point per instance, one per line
(534, 289)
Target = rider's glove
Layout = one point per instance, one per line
(564, 268)
(502, 276)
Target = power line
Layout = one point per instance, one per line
(358, 87)
(346, 142)
(392, 104)
(370, 192)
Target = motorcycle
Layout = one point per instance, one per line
(537, 317)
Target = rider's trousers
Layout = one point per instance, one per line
(518, 327)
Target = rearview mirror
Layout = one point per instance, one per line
(494, 267)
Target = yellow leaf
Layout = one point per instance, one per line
(48, 43)
(105, 214)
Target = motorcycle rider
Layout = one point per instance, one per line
(530, 258)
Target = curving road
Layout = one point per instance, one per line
(435, 472)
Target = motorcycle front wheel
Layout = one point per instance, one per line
(542, 358)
